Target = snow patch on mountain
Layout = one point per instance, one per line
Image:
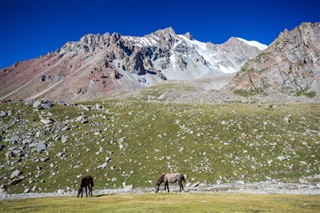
(254, 44)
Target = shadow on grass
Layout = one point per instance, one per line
(104, 195)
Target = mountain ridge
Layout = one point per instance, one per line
(99, 65)
(288, 67)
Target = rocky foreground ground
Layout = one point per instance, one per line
(267, 187)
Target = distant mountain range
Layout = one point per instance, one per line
(98, 66)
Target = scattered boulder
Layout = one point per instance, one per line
(243, 136)
(44, 159)
(303, 181)
(220, 181)
(3, 114)
(59, 154)
(36, 104)
(15, 173)
(83, 119)
(30, 102)
(47, 121)
(65, 128)
(47, 104)
(64, 139)
(42, 104)
(103, 166)
(287, 119)
(60, 191)
(9, 155)
(128, 188)
(281, 158)
(32, 145)
(120, 141)
(41, 146)
(2, 147)
(15, 181)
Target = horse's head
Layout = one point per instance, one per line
(80, 191)
(160, 180)
(157, 188)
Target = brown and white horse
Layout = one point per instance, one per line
(86, 182)
(170, 178)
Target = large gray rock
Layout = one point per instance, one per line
(15, 174)
(40, 104)
(41, 146)
(47, 104)
(3, 114)
(36, 104)
(103, 166)
(47, 121)
(83, 119)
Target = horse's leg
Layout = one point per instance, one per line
(86, 191)
(79, 192)
(181, 186)
(90, 190)
(168, 187)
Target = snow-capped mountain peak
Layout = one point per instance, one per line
(254, 44)
(100, 64)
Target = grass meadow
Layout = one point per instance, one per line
(164, 202)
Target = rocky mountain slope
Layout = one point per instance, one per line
(289, 66)
(100, 65)
(125, 144)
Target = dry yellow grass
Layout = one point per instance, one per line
(173, 202)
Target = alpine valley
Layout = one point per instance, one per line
(126, 109)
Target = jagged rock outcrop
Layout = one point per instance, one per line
(289, 66)
(101, 65)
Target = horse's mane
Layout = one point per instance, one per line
(161, 179)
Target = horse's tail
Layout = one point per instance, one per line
(92, 182)
(184, 178)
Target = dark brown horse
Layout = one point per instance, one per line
(86, 182)
(170, 178)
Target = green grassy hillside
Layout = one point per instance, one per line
(138, 141)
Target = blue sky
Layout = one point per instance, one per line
(30, 28)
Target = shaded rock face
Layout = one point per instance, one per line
(100, 65)
(290, 65)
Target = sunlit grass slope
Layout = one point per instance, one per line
(141, 140)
